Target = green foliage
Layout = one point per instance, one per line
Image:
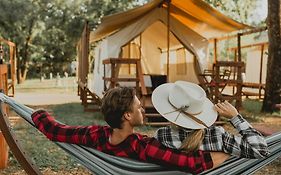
(46, 32)
(240, 10)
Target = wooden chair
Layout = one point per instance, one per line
(228, 79)
(221, 84)
(224, 77)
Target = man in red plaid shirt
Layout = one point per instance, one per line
(122, 111)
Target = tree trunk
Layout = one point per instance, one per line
(22, 69)
(273, 76)
(24, 52)
(18, 65)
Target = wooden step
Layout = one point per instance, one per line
(153, 115)
(90, 100)
(155, 118)
(157, 123)
(151, 111)
(247, 94)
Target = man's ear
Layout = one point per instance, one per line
(127, 116)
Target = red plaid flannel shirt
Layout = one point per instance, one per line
(136, 146)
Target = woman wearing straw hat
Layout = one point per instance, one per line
(192, 115)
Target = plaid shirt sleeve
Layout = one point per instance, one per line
(251, 144)
(62, 133)
(194, 162)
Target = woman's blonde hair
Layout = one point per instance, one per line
(193, 141)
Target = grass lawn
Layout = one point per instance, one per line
(52, 160)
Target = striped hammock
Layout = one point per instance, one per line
(103, 164)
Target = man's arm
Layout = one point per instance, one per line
(62, 133)
(194, 162)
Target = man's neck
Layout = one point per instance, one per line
(119, 135)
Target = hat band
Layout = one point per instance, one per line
(182, 110)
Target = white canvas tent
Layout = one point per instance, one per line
(142, 33)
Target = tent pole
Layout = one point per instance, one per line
(215, 50)
(261, 65)
(248, 32)
(140, 46)
(129, 49)
(168, 39)
(239, 73)
(239, 46)
(235, 54)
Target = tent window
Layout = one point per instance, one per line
(181, 61)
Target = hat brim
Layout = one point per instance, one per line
(160, 100)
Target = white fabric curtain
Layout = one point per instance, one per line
(111, 46)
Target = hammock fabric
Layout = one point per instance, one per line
(104, 164)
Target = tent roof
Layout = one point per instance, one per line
(194, 14)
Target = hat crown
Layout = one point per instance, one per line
(188, 96)
(184, 104)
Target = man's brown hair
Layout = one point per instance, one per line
(115, 103)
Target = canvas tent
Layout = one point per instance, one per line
(143, 33)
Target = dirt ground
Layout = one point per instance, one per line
(36, 98)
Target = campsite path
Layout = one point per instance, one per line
(38, 99)
(48, 92)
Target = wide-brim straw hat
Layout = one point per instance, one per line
(184, 104)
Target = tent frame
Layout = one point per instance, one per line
(238, 58)
(12, 54)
